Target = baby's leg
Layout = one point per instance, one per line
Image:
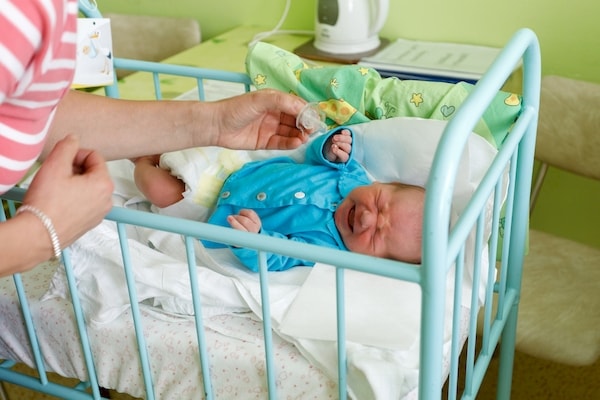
(158, 185)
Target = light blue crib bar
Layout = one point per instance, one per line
(158, 69)
(440, 250)
(81, 328)
(135, 312)
(202, 349)
(41, 383)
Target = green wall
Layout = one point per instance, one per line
(569, 35)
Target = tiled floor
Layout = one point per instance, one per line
(533, 379)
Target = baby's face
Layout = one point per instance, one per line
(383, 220)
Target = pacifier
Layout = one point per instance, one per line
(311, 119)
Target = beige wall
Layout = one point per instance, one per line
(569, 34)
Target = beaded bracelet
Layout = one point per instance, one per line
(47, 222)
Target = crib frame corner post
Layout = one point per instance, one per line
(520, 215)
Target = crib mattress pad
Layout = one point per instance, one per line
(235, 344)
(235, 347)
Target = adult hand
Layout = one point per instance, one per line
(73, 188)
(263, 119)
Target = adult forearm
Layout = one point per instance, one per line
(22, 255)
(126, 129)
(263, 119)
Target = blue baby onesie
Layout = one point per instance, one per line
(294, 200)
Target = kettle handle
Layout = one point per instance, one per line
(382, 7)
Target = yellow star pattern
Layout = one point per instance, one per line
(260, 80)
(512, 100)
(363, 70)
(334, 83)
(417, 99)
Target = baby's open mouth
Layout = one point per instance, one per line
(351, 219)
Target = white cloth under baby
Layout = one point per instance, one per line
(203, 170)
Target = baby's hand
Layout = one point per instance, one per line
(247, 221)
(339, 147)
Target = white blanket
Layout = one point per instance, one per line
(384, 338)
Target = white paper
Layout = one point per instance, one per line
(434, 58)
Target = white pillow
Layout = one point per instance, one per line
(402, 149)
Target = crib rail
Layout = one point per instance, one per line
(158, 70)
(499, 321)
(516, 154)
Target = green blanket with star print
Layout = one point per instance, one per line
(352, 94)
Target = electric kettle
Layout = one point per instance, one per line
(349, 26)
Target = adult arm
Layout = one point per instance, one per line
(264, 119)
(73, 189)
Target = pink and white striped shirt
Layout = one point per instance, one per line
(37, 63)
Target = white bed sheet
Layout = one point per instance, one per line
(235, 345)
